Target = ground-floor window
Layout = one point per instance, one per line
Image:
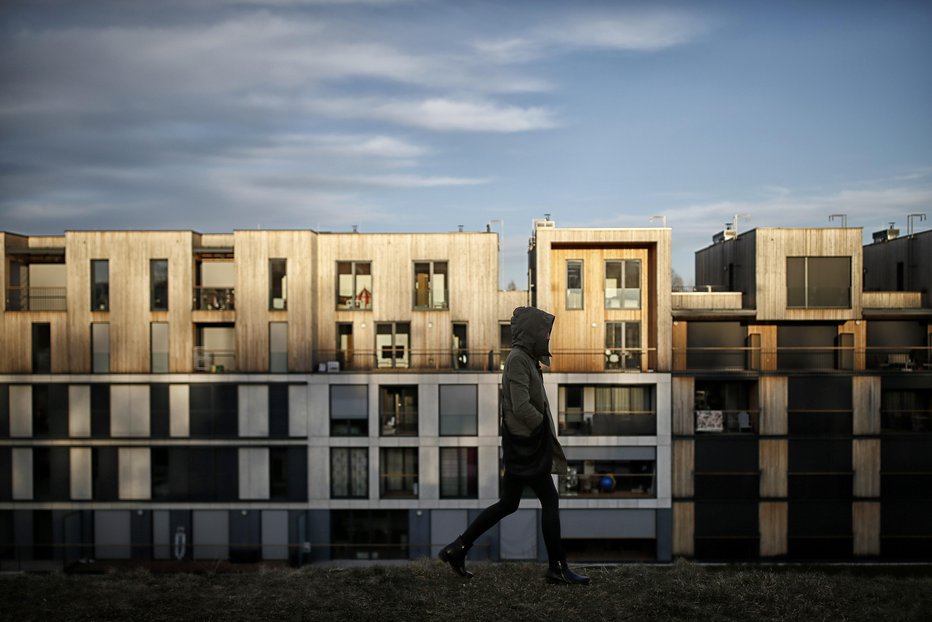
(369, 534)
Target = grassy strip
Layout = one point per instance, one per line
(426, 590)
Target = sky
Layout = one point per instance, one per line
(423, 115)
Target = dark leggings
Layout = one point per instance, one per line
(512, 487)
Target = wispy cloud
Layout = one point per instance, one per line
(629, 30)
(441, 114)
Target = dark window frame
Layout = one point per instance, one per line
(432, 265)
(100, 290)
(158, 288)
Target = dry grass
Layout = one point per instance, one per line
(425, 590)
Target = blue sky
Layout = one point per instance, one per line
(421, 115)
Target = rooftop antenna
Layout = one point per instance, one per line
(735, 222)
(355, 228)
(546, 215)
(460, 227)
(909, 221)
(843, 217)
(662, 218)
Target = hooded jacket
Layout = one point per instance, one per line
(524, 401)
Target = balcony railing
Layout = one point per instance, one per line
(406, 359)
(743, 421)
(608, 423)
(214, 361)
(36, 299)
(811, 358)
(214, 299)
(916, 420)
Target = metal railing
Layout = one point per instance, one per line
(608, 423)
(36, 298)
(214, 299)
(215, 361)
(810, 358)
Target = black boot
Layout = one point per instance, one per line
(561, 573)
(455, 555)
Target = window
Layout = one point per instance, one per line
(623, 345)
(459, 473)
(158, 281)
(349, 410)
(458, 410)
(818, 282)
(278, 347)
(344, 344)
(214, 410)
(278, 410)
(199, 474)
(159, 410)
(354, 285)
(100, 410)
(623, 411)
(623, 284)
(504, 342)
(159, 347)
(100, 285)
(392, 344)
(570, 417)
(349, 472)
(430, 285)
(100, 348)
(574, 284)
(398, 410)
(50, 411)
(369, 534)
(288, 473)
(41, 348)
(398, 472)
(460, 346)
(278, 284)
(608, 478)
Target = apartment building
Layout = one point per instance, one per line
(303, 396)
(801, 401)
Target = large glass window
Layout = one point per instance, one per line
(504, 342)
(354, 285)
(458, 410)
(818, 282)
(278, 347)
(608, 478)
(278, 410)
(398, 474)
(623, 284)
(349, 472)
(159, 347)
(199, 474)
(278, 284)
(158, 282)
(41, 348)
(50, 410)
(430, 285)
(100, 348)
(344, 344)
(214, 410)
(349, 410)
(288, 473)
(574, 284)
(571, 415)
(459, 472)
(393, 344)
(100, 410)
(159, 410)
(622, 345)
(624, 410)
(100, 285)
(398, 410)
(369, 534)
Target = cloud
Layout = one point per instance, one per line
(303, 146)
(441, 114)
(625, 30)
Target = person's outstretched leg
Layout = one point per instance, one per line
(455, 552)
(558, 571)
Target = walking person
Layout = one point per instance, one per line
(530, 447)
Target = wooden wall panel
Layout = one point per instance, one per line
(679, 340)
(865, 458)
(866, 404)
(775, 245)
(684, 528)
(773, 404)
(773, 520)
(768, 345)
(774, 461)
(859, 330)
(683, 465)
(865, 524)
(684, 396)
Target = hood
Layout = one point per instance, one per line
(530, 330)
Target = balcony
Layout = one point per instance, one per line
(36, 299)
(214, 360)
(401, 359)
(214, 299)
(742, 421)
(608, 423)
